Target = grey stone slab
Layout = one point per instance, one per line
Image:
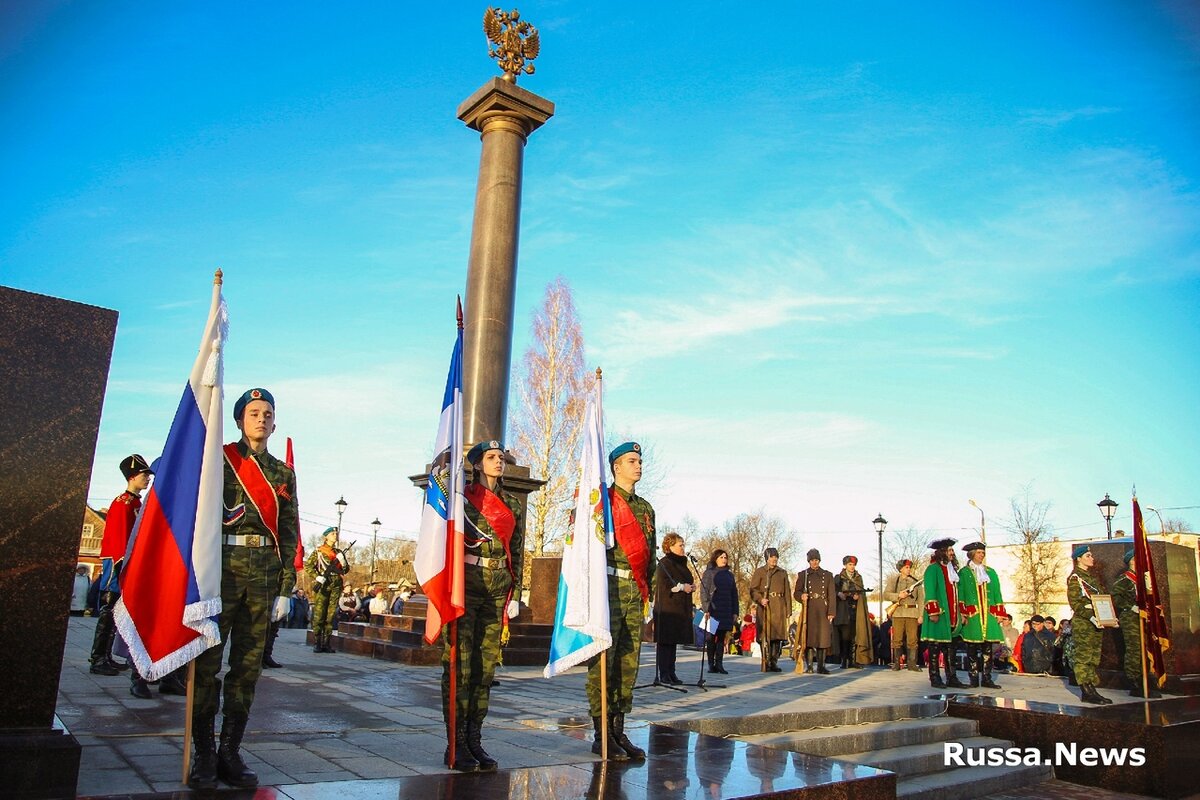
(101, 756)
(374, 767)
(111, 781)
(146, 746)
(159, 768)
(323, 777)
(297, 761)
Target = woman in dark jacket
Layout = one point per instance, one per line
(719, 599)
(673, 589)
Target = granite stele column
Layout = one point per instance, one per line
(54, 357)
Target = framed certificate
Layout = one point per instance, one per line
(1106, 614)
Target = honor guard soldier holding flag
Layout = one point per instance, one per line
(1082, 585)
(941, 620)
(769, 588)
(326, 566)
(630, 583)
(122, 513)
(1125, 600)
(982, 606)
(495, 548)
(260, 527)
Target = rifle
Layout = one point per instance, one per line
(887, 612)
(323, 579)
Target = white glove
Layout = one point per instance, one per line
(342, 558)
(320, 580)
(512, 609)
(282, 606)
(1094, 622)
(677, 588)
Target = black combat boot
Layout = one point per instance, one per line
(230, 766)
(203, 774)
(474, 733)
(174, 683)
(821, 668)
(776, 652)
(1090, 695)
(911, 654)
(896, 651)
(973, 665)
(318, 642)
(138, 686)
(986, 673)
(615, 751)
(935, 674)
(807, 655)
(464, 760)
(616, 726)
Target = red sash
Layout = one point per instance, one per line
(631, 538)
(258, 489)
(498, 515)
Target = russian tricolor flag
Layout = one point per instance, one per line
(171, 581)
(440, 544)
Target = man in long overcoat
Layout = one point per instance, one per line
(769, 589)
(814, 591)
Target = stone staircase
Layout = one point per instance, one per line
(908, 740)
(400, 638)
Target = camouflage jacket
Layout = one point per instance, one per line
(242, 519)
(644, 512)
(486, 544)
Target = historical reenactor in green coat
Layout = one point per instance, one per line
(907, 593)
(1124, 594)
(769, 589)
(495, 547)
(982, 607)
(818, 603)
(850, 619)
(326, 565)
(1082, 586)
(630, 585)
(941, 621)
(260, 526)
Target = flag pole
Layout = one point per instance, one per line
(452, 710)
(604, 704)
(187, 722)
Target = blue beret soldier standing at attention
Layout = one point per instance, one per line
(630, 585)
(1082, 585)
(495, 547)
(259, 531)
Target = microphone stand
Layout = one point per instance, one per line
(701, 684)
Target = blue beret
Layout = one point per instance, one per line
(1129, 555)
(249, 396)
(1078, 550)
(622, 449)
(329, 531)
(475, 454)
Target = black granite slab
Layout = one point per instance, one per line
(54, 357)
(1167, 729)
(680, 765)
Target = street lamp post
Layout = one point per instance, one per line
(880, 523)
(982, 523)
(1108, 507)
(374, 540)
(340, 505)
(1162, 529)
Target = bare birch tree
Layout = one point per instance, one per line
(549, 419)
(1039, 554)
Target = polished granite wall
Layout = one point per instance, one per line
(54, 358)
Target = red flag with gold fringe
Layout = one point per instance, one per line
(1154, 621)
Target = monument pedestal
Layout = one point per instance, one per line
(54, 357)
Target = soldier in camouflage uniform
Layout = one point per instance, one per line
(1125, 599)
(630, 585)
(326, 566)
(260, 523)
(1082, 584)
(495, 546)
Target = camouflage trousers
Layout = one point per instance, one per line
(1132, 634)
(324, 609)
(626, 615)
(1086, 654)
(478, 631)
(249, 584)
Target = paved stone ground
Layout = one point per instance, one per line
(337, 717)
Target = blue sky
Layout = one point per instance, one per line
(835, 259)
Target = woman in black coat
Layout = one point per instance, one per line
(673, 587)
(719, 600)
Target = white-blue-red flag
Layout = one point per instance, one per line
(440, 544)
(581, 625)
(171, 581)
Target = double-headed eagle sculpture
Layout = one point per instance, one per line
(515, 40)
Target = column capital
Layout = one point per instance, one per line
(498, 98)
